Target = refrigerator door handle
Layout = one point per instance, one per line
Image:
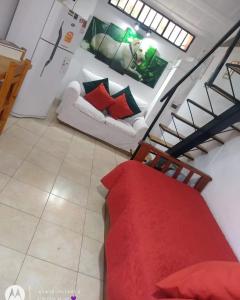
(60, 33)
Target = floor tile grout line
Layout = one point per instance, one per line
(45, 220)
(28, 131)
(54, 181)
(68, 200)
(55, 264)
(91, 181)
(33, 119)
(34, 146)
(26, 254)
(19, 210)
(45, 191)
(7, 127)
(52, 263)
(13, 249)
(6, 184)
(47, 153)
(40, 218)
(79, 257)
(82, 273)
(23, 160)
(62, 227)
(84, 222)
(42, 135)
(95, 240)
(48, 192)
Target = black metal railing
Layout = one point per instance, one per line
(226, 119)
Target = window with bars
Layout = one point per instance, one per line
(154, 21)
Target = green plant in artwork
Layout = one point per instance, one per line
(151, 67)
(124, 51)
(131, 35)
(145, 67)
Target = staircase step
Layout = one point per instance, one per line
(217, 139)
(234, 67)
(161, 142)
(206, 132)
(202, 108)
(209, 112)
(223, 93)
(180, 136)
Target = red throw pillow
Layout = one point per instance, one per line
(217, 280)
(100, 98)
(120, 108)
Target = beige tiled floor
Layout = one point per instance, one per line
(51, 209)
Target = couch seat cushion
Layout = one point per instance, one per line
(87, 108)
(120, 125)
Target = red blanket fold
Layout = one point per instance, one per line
(158, 226)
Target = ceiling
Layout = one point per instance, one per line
(207, 18)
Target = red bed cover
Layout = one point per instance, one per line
(158, 226)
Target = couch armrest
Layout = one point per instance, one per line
(70, 95)
(140, 126)
(72, 91)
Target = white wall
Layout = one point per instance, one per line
(223, 164)
(222, 195)
(83, 59)
(184, 64)
(199, 95)
(85, 7)
(7, 9)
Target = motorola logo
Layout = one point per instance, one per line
(15, 292)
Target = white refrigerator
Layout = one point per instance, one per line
(51, 33)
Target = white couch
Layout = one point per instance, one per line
(80, 114)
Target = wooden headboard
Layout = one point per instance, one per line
(163, 162)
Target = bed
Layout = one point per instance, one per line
(158, 225)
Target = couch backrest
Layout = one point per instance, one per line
(113, 86)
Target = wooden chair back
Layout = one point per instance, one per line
(10, 86)
(12, 51)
